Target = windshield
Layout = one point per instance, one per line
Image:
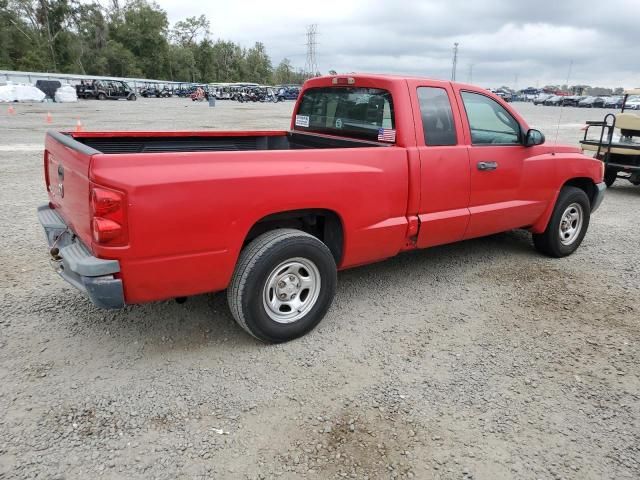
(365, 113)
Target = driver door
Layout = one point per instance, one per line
(497, 155)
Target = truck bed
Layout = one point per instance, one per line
(133, 142)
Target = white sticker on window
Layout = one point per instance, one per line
(302, 121)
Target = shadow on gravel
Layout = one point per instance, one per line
(623, 188)
(454, 259)
(204, 321)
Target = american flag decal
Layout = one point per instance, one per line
(387, 135)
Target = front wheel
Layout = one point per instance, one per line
(283, 285)
(567, 226)
(132, 98)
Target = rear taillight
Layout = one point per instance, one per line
(104, 202)
(105, 231)
(108, 217)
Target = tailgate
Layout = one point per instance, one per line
(66, 169)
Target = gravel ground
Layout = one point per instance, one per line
(479, 360)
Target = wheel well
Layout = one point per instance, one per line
(322, 224)
(585, 184)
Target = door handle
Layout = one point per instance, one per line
(487, 165)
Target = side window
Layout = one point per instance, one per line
(489, 122)
(437, 117)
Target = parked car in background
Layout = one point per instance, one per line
(540, 99)
(529, 94)
(571, 100)
(614, 102)
(632, 103)
(505, 95)
(592, 102)
(554, 100)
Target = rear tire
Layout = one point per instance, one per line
(610, 176)
(102, 96)
(283, 285)
(567, 226)
(132, 98)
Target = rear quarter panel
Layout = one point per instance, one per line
(189, 213)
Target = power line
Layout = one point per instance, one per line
(455, 62)
(311, 64)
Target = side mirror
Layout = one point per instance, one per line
(534, 137)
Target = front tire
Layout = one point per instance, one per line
(283, 285)
(567, 226)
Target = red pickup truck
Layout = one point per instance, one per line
(372, 165)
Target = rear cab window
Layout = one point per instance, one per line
(354, 112)
(438, 123)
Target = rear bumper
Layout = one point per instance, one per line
(74, 263)
(598, 196)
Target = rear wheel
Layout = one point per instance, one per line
(132, 98)
(102, 96)
(567, 226)
(283, 285)
(610, 176)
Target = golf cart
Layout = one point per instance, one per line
(617, 143)
(154, 90)
(106, 89)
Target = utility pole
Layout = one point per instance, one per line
(470, 79)
(455, 62)
(311, 64)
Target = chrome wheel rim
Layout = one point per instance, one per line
(571, 223)
(291, 290)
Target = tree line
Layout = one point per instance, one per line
(130, 40)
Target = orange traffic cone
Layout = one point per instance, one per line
(11, 110)
(49, 117)
(78, 126)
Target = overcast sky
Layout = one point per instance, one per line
(504, 40)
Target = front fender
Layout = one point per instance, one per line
(567, 168)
